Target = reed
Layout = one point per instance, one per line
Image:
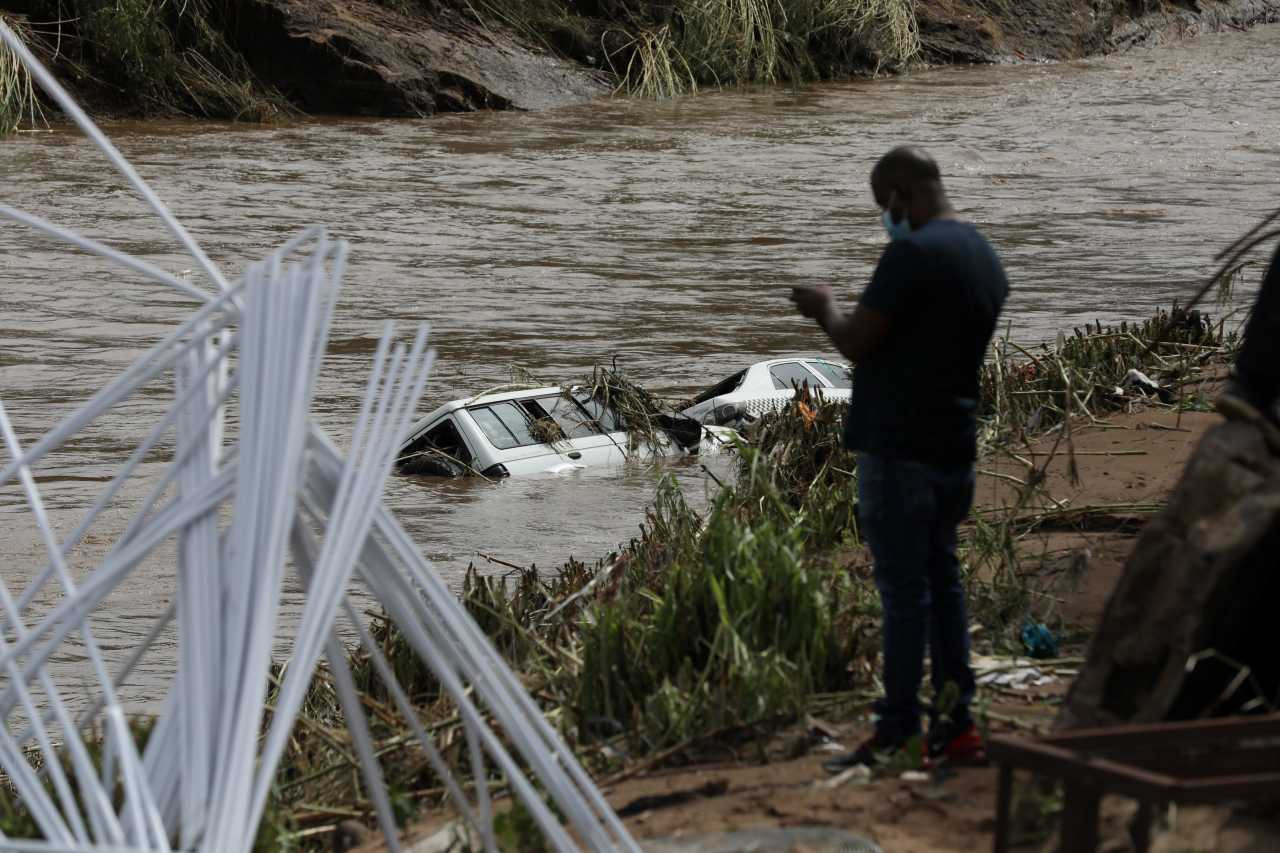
(654, 67)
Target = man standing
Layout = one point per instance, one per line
(917, 339)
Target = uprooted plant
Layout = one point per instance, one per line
(1091, 372)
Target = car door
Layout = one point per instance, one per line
(546, 433)
(508, 428)
(610, 424)
(592, 433)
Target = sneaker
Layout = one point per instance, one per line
(876, 751)
(956, 745)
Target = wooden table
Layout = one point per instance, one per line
(1204, 761)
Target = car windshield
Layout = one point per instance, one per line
(837, 375)
(724, 386)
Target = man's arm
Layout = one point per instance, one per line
(856, 334)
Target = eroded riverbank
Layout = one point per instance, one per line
(272, 59)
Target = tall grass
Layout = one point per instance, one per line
(18, 102)
(719, 621)
(655, 67)
(661, 48)
(743, 41)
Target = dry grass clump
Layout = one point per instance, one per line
(723, 42)
(655, 67)
(1026, 391)
(18, 102)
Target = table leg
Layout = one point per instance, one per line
(1004, 794)
(1080, 819)
(1142, 827)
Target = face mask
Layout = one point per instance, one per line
(896, 230)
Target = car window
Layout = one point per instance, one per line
(604, 415)
(838, 376)
(504, 424)
(516, 420)
(789, 374)
(569, 416)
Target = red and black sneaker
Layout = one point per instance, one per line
(955, 746)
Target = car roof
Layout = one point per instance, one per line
(757, 367)
(780, 359)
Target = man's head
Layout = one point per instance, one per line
(906, 182)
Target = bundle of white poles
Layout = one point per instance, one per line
(242, 510)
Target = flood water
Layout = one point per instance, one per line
(663, 234)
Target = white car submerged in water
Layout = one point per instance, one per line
(767, 386)
(547, 430)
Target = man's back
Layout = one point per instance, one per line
(916, 396)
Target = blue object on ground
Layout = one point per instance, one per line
(1039, 640)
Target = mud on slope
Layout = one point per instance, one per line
(357, 57)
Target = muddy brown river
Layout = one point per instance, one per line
(663, 234)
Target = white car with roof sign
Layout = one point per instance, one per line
(537, 430)
(767, 386)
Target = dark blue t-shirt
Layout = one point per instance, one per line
(916, 396)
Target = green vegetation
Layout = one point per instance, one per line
(175, 56)
(151, 55)
(668, 47)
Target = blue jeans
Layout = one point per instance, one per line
(908, 512)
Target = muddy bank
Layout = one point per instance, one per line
(1039, 30)
(262, 59)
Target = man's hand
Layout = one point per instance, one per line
(856, 335)
(812, 302)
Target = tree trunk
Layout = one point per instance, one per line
(1202, 583)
